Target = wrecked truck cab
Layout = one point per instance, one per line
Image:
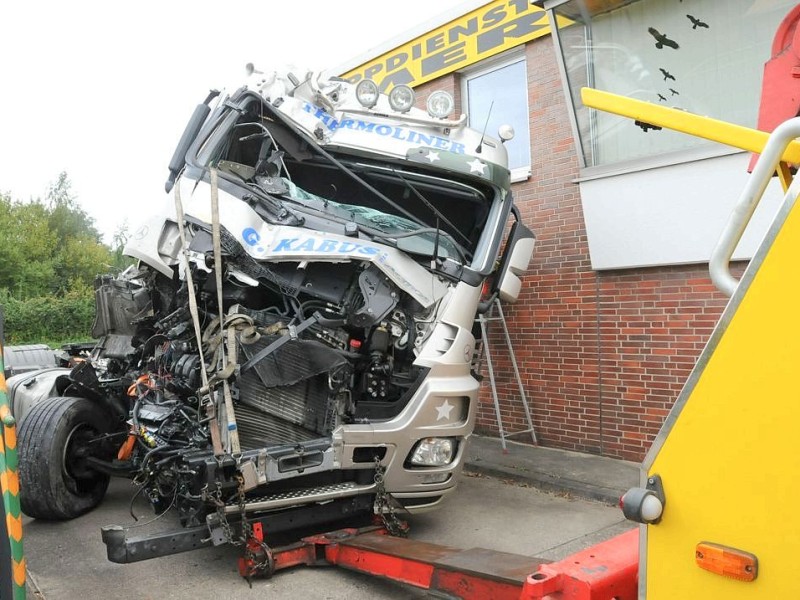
(298, 333)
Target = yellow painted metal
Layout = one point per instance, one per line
(707, 128)
(727, 454)
(729, 460)
(785, 175)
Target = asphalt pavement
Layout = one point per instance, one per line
(530, 501)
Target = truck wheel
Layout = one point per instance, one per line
(55, 481)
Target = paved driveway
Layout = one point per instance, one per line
(67, 561)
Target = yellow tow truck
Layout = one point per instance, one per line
(718, 483)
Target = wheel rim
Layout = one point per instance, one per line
(78, 476)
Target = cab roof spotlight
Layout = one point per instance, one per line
(401, 98)
(506, 132)
(440, 104)
(367, 93)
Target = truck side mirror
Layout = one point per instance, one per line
(201, 112)
(515, 261)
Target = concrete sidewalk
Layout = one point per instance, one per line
(581, 475)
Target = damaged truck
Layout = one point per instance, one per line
(296, 342)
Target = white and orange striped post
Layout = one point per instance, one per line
(12, 575)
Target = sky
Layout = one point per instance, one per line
(102, 90)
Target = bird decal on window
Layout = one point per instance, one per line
(661, 39)
(666, 74)
(696, 22)
(661, 98)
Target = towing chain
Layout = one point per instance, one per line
(384, 504)
(216, 498)
(257, 559)
(246, 531)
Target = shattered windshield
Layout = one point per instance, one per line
(416, 208)
(416, 237)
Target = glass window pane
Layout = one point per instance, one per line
(500, 97)
(702, 56)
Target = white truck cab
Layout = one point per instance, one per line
(298, 332)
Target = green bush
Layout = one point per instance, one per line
(52, 320)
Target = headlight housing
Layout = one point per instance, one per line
(401, 98)
(433, 452)
(367, 93)
(440, 104)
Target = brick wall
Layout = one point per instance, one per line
(603, 355)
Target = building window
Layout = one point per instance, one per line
(497, 94)
(702, 56)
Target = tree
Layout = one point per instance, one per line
(27, 248)
(80, 255)
(67, 218)
(118, 241)
(50, 254)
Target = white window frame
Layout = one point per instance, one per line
(485, 67)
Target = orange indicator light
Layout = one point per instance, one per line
(726, 561)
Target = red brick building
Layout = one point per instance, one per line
(617, 304)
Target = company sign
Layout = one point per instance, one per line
(481, 33)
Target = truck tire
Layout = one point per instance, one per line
(55, 483)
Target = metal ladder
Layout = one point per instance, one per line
(483, 320)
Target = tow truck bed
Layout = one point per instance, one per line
(605, 571)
